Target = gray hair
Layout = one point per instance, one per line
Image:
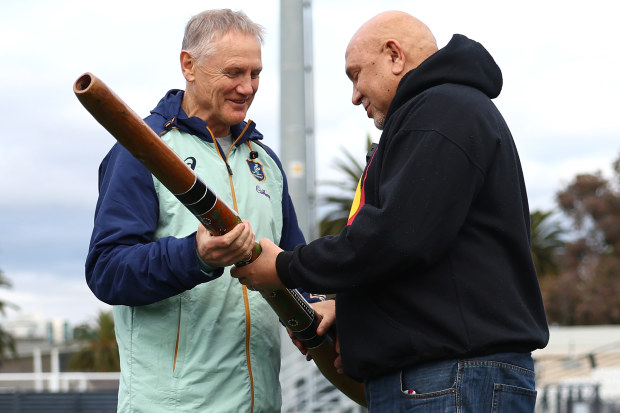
(202, 29)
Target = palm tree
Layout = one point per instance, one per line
(340, 202)
(7, 342)
(546, 242)
(100, 350)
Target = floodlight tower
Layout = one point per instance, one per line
(297, 110)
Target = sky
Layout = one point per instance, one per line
(561, 86)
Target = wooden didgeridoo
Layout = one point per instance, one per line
(144, 144)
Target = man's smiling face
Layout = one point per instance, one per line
(225, 82)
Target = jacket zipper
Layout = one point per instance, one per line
(246, 302)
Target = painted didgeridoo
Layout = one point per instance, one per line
(144, 144)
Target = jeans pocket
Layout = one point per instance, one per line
(513, 399)
(428, 381)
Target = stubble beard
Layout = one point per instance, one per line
(379, 119)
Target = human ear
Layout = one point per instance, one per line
(187, 65)
(397, 56)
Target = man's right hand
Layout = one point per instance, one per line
(228, 249)
(326, 310)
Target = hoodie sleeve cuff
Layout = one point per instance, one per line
(282, 264)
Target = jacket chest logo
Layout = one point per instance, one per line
(191, 162)
(256, 168)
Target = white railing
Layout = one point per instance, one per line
(54, 381)
(305, 389)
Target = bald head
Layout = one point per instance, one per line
(414, 37)
(380, 53)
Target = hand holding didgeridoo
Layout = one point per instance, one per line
(261, 274)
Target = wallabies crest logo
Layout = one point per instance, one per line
(256, 169)
(191, 162)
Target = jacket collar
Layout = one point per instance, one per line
(169, 108)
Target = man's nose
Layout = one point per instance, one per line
(356, 99)
(246, 85)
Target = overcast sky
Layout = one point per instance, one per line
(559, 61)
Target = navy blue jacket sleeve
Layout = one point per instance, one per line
(124, 265)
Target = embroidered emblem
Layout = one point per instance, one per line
(256, 168)
(262, 191)
(191, 162)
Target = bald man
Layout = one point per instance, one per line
(438, 306)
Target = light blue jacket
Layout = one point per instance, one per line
(191, 338)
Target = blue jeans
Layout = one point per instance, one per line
(499, 383)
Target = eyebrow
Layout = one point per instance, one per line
(241, 68)
(349, 71)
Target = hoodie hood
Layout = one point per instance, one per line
(168, 115)
(462, 61)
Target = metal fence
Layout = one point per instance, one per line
(306, 390)
(73, 402)
(575, 398)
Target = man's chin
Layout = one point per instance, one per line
(379, 122)
(237, 117)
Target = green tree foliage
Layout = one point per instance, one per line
(343, 192)
(547, 242)
(100, 349)
(7, 342)
(587, 287)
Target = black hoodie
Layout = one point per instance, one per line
(437, 263)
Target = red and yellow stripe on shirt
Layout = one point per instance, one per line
(358, 202)
(360, 199)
